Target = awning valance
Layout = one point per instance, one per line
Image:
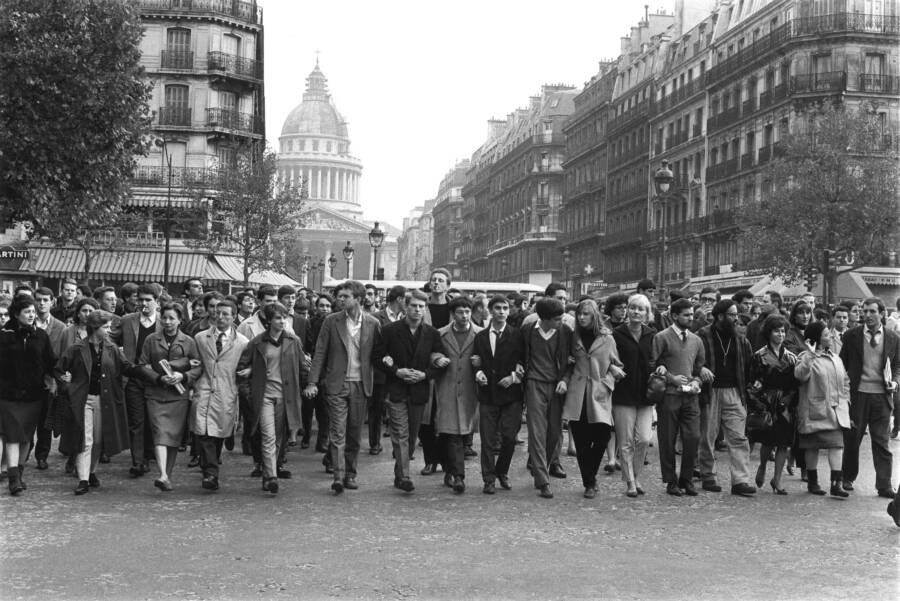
(234, 266)
(138, 265)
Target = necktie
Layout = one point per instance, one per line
(496, 333)
(684, 336)
(219, 342)
(872, 339)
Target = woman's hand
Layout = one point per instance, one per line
(617, 372)
(66, 377)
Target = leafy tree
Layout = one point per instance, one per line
(253, 211)
(73, 108)
(833, 185)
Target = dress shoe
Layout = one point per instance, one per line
(760, 476)
(609, 468)
(283, 473)
(894, 512)
(546, 493)
(229, 443)
(350, 483)
(375, 450)
(195, 461)
(711, 486)
(210, 483)
(639, 490)
(590, 492)
(557, 471)
(82, 488)
(430, 468)
(459, 485)
(489, 488)
(743, 489)
(406, 485)
(672, 489)
(270, 485)
(136, 471)
(94, 481)
(504, 482)
(257, 471)
(688, 488)
(15, 481)
(42, 464)
(847, 485)
(448, 480)
(887, 493)
(470, 452)
(775, 489)
(104, 458)
(70, 466)
(163, 485)
(337, 486)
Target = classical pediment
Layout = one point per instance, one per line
(320, 218)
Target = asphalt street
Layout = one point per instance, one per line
(127, 540)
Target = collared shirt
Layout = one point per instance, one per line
(878, 334)
(42, 324)
(682, 334)
(545, 335)
(354, 366)
(392, 317)
(494, 336)
(148, 321)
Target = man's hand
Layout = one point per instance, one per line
(561, 388)
(506, 382)
(66, 377)
(681, 380)
(311, 391)
(307, 361)
(481, 379)
(706, 376)
(660, 370)
(617, 372)
(244, 373)
(442, 361)
(389, 361)
(476, 361)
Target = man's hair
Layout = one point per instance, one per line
(499, 298)
(286, 290)
(813, 331)
(325, 296)
(874, 300)
(516, 299)
(443, 271)
(680, 305)
(301, 305)
(68, 281)
(721, 307)
(740, 295)
(228, 303)
(85, 290)
(22, 287)
(395, 292)
(99, 291)
(356, 288)
(646, 284)
(711, 290)
(266, 290)
(212, 294)
(187, 283)
(674, 295)
(775, 298)
(548, 308)
(371, 287)
(127, 289)
(459, 301)
(44, 291)
(86, 300)
(150, 289)
(552, 287)
(417, 295)
(244, 294)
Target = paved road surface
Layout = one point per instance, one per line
(130, 541)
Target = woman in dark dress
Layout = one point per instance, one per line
(92, 369)
(795, 341)
(167, 396)
(774, 389)
(26, 379)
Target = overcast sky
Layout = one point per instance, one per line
(418, 80)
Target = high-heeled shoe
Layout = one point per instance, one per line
(776, 490)
(760, 476)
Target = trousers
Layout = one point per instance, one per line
(678, 413)
(872, 411)
(499, 425)
(725, 411)
(87, 459)
(544, 421)
(346, 413)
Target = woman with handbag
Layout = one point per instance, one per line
(823, 411)
(773, 399)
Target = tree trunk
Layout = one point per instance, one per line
(86, 248)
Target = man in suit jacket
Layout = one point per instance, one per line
(501, 354)
(392, 311)
(44, 320)
(871, 355)
(343, 363)
(404, 353)
(129, 334)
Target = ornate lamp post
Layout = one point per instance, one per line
(376, 239)
(348, 256)
(504, 264)
(321, 268)
(567, 256)
(662, 180)
(167, 225)
(332, 261)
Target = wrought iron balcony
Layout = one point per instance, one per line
(888, 84)
(235, 65)
(182, 177)
(176, 59)
(833, 81)
(178, 116)
(235, 120)
(238, 9)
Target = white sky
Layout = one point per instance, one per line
(417, 81)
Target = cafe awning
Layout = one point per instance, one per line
(234, 266)
(135, 264)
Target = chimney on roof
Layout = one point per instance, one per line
(535, 102)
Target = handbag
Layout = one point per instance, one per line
(656, 388)
(760, 421)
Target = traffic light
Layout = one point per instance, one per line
(810, 275)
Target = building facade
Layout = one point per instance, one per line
(447, 219)
(416, 243)
(513, 194)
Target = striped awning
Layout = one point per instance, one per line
(234, 266)
(135, 264)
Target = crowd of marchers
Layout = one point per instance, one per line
(110, 371)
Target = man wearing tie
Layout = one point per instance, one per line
(214, 405)
(499, 359)
(840, 318)
(871, 355)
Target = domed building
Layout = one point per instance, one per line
(314, 149)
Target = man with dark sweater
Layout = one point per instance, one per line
(547, 349)
(728, 365)
(678, 356)
(871, 355)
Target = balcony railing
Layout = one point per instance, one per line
(236, 65)
(179, 116)
(889, 84)
(228, 119)
(176, 59)
(627, 236)
(697, 130)
(747, 161)
(749, 106)
(244, 11)
(182, 177)
(765, 99)
(833, 81)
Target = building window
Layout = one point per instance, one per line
(228, 101)
(327, 146)
(315, 146)
(177, 54)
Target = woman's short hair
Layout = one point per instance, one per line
(614, 301)
(81, 303)
(21, 302)
(641, 300)
(813, 331)
(772, 322)
(172, 306)
(270, 311)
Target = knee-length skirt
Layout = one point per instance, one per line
(19, 420)
(167, 421)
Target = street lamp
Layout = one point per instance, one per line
(332, 261)
(321, 268)
(567, 256)
(662, 180)
(504, 264)
(348, 256)
(376, 239)
(167, 224)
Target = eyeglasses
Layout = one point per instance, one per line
(708, 299)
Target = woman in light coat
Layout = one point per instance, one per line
(214, 405)
(588, 406)
(823, 411)
(455, 390)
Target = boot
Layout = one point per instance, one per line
(836, 490)
(812, 482)
(22, 477)
(15, 482)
